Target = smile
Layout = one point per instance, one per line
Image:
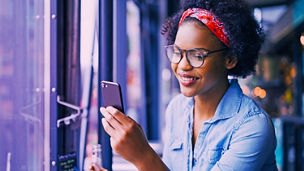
(187, 80)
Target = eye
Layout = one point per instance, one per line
(199, 57)
(176, 55)
(196, 55)
(175, 50)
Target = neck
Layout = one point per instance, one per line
(205, 106)
(206, 103)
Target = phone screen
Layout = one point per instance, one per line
(111, 95)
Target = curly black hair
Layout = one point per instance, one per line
(244, 33)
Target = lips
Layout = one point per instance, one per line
(186, 79)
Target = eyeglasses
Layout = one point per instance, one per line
(195, 57)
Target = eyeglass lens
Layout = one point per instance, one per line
(194, 57)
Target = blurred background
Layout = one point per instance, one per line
(54, 53)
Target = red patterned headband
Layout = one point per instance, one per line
(210, 20)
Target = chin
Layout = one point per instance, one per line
(187, 93)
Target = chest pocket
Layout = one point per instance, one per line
(214, 154)
(176, 144)
(177, 154)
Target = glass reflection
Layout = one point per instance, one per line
(22, 85)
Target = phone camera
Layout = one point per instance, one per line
(104, 85)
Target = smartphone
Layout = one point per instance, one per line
(111, 95)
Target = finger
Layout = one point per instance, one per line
(104, 112)
(107, 127)
(129, 119)
(96, 167)
(118, 115)
(125, 121)
(110, 118)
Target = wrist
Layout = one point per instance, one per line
(150, 160)
(146, 159)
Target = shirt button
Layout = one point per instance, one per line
(194, 161)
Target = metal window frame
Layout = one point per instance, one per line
(105, 73)
(112, 60)
(53, 85)
(150, 67)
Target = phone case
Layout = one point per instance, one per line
(111, 95)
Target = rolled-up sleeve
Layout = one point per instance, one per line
(251, 144)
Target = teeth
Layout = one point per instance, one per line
(187, 78)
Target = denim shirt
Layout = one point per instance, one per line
(240, 136)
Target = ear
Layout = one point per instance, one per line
(231, 62)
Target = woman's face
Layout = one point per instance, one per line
(212, 75)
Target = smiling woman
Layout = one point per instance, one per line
(211, 125)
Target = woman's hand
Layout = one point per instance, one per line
(129, 141)
(127, 137)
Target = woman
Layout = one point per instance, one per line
(211, 125)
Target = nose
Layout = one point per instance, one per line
(184, 63)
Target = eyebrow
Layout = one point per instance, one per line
(192, 48)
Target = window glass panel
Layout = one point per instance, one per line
(133, 63)
(21, 85)
(89, 59)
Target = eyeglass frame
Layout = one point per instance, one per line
(204, 53)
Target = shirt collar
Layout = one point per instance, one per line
(230, 103)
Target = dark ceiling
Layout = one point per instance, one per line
(264, 3)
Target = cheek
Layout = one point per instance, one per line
(213, 68)
(174, 67)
